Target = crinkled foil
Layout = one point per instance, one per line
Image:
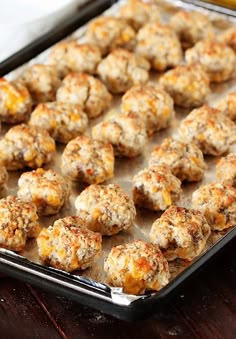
(125, 169)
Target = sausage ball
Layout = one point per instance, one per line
(137, 267)
(137, 13)
(180, 233)
(121, 70)
(86, 91)
(160, 45)
(3, 176)
(105, 209)
(68, 245)
(48, 190)
(108, 33)
(18, 222)
(185, 161)
(218, 59)
(187, 84)
(26, 146)
(15, 102)
(152, 104)
(226, 170)
(217, 202)
(63, 121)
(191, 27)
(156, 188)
(228, 37)
(87, 160)
(209, 129)
(125, 132)
(42, 82)
(70, 56)
(228, 105)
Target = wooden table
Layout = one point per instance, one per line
(205, 307)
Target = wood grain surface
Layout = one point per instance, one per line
(204, 307)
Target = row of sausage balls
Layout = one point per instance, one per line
(205, 130)
(88, 97)
(91, 161)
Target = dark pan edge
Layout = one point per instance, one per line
(211, 7)
(98, 296)
(59, 32)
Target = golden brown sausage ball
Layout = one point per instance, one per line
(137, 267)
(26, 146)
(86, 91)
(180, 233)
(18, 222)
(160, 45)
(68, 245)
(15, 102)
(209, 129)
(191, 27)
(109, 32)
(228, 105)
(217, 202)
(156, 188)
(138, 13)
(125, 132)
(70, 56)
(188, 85)
(152, 104)
(63, 121)
(121, 70)
(48, 190)
(105, 209)
(185, 161)
(42, 82)
(87, 160)
(226, 170)
(218, 59)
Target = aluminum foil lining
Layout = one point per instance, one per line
(125, 169)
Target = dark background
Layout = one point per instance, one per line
(203, 307)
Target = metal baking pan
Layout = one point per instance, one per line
(229, 5)
(89, 288)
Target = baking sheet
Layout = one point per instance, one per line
(125, 169)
